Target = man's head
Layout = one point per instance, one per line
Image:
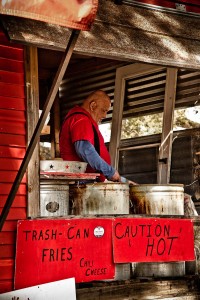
(97, 104)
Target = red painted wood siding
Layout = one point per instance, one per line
(190, 5)
(12, 150)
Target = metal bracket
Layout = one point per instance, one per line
(163, 160)
(180, 6)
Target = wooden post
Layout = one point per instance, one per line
(55, 129)
(118, 106)
(32, 95)
(164, 159)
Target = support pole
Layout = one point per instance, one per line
(47, 107)
(165, 149)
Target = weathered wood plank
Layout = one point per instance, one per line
(11, 53)
(56, 128)
(13, 103)
(31, 66)
(11, 90)
(6, 269)
(12, 140)
(20, 201)
(10, 225)
(7, 238)
(134, 290)
(16, 214)
(6, 286)
(7, 251)
(5, 189)
(165, 150)
(11, 65)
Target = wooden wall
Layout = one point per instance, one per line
(12, 150)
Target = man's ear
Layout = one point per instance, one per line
(93, 105)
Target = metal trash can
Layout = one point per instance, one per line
(99, 199)
(54, 198)
(102, 199)
(156, 199)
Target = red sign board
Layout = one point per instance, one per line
(50, 250)
(152, 240)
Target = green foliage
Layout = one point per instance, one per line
(152, 124)
(182, 121)
(141, 126)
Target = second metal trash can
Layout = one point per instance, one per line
(155, 199)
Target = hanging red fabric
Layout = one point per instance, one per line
(78, 14)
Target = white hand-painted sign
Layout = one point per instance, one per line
(62, 290)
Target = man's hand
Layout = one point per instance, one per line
(116, 177)
(132, 182)
(129, 182)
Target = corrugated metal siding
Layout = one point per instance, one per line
(144, 94)
(12, 150)
(188, 88)
(74, 90)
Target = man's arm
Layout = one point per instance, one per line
(87, 152)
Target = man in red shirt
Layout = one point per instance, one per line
(81, 139)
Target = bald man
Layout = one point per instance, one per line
(81, 139)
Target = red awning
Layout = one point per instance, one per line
(78, 14)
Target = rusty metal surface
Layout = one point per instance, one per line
(155, 199)
(99, 198)
(159, 270)
(158, 199)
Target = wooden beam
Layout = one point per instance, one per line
(165, 150)
(117, 114)
(56, 112)
(55, 128)
(32, 96)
